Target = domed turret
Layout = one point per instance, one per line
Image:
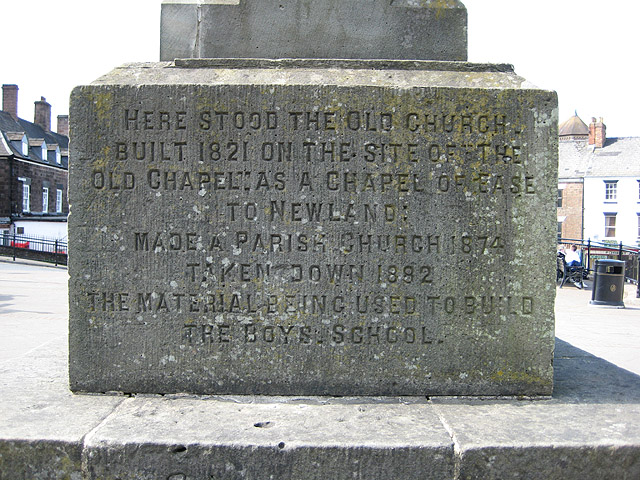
(573, 129)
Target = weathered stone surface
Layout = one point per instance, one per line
(508, 439)
(42, 424)
(401, 29)
(317, 230)
(239, 439)
(40, 459)
(587, 430)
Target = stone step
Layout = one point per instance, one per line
(590, 428)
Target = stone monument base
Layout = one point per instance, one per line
(312, 227)
(589, 429)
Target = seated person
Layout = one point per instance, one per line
(572, 257)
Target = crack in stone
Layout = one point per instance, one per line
(457, 450)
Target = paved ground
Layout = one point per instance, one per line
(33, 312)
(33, 306)
(609, 333)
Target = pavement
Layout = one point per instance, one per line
(589, 428)
(610, 333)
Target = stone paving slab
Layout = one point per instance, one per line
(578, 431)
(589, 428)
(42, 424)
(236, 438)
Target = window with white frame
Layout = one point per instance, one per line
(610, 190)
(559, 198)
(58, 156)
(26, 193)
(58, 200)
(43, 152)
(45, 199)
(610, 225)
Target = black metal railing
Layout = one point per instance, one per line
(34, 248)
(592, 251)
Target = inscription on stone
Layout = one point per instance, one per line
(311, 239)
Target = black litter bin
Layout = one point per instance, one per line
(608, 283)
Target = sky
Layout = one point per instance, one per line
(586, 50)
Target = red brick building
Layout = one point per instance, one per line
(573, 134)
(34, 165)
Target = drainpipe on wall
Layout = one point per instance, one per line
(582, 212)
(582, 224)
(11, 194)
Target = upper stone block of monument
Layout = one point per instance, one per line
(367, 29)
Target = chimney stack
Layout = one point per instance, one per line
(10, 100)
(597, 133)
(42, 115)
(63, 125)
